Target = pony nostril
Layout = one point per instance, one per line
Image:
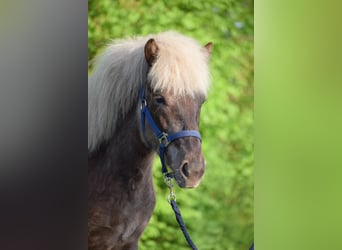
(185, 169)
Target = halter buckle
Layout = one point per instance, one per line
(163, 139)
(143, 104)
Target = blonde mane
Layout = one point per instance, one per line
(113, 87)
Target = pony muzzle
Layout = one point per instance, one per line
(191, 172)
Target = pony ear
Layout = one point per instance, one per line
(208, 48)
(151, 51)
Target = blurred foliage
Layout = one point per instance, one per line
(219, 213)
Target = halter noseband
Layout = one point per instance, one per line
(164, 138)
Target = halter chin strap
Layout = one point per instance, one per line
(164, 138)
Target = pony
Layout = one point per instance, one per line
(166, 74)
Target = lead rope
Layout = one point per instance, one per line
(172, 200)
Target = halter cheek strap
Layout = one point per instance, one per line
(164, 138)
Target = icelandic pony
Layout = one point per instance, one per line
(172, 71)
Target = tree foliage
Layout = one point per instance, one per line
(219, 213)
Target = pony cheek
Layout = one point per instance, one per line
(149, 138)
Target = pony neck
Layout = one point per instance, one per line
(125, 151)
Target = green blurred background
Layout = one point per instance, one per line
(219, 213)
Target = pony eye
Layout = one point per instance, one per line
(160, 99)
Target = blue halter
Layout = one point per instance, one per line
(164, 138)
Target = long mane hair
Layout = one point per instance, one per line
(113, 87)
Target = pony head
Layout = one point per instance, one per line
(174, 71)
(175, 89)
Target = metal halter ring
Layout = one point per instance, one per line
(143, 104)
(171, 197)
(164, 140)
(168, 181)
